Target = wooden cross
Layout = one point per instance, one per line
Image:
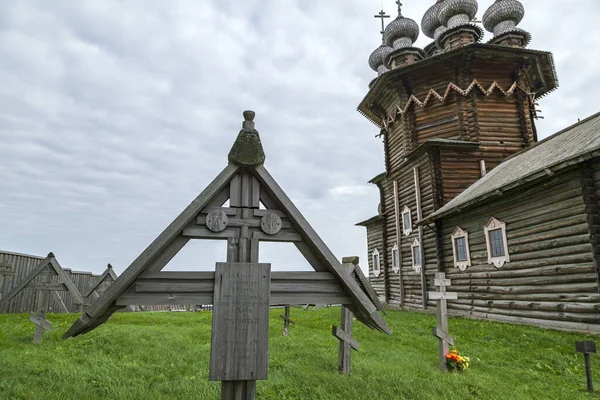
(441, 331)
(286, 320)
(382, 15)
(587, 348)
(44, 287)
(347, 342)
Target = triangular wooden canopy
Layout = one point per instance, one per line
(50, 266)
(246, 183)
(108, 277)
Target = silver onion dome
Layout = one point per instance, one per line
(401, 32)
(430, 24)
(503, 16)
(453, 13)
(377, 58)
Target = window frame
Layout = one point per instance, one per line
(461, 233)
(416, 244)
(376, 265)
(492, 225)
(407, 230)
(396, 260)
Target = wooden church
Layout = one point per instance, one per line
(468, 190)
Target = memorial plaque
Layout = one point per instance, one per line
(240, 325)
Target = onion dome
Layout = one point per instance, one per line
(503, 16)
(430, 24)
(453, 13)
(377, 58)
(401, 32)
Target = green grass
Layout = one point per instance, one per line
(166, 356)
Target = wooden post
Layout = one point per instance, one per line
(39, 318)
(347, 342)
(242, 249)
(441, 331)
(286, 320)
(398, 215)
(587, 348)
(421, 244)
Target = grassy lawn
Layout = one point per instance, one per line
(166, 356)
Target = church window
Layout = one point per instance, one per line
(376, 263)
(460, 249)
(496, 242)
(395, 258)
(417, 259)
(406, 221)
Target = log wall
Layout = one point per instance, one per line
(590, 183)
(551, 279)
(375, 241)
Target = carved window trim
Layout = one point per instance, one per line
(461, 264)
(407, 230)
(396, 258)
(376, 259)
(494, 225)
(417, 257)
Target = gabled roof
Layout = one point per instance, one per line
(570, 146)
(246, 157)
(47, 264)
(109, 273)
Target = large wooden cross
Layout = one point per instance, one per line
(441, 331)
(241, 289)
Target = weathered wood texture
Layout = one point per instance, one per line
(240, 324)
(375, 241)
(551, 279)
(347, 342)
(590, 183)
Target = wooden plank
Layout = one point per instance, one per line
(367, 312)
(421, 244)
(201, 232)
(41, 322)
(442, 296)
(46, 286)
(309, 256)
(43, 299)
(205, 275)
(167, 254)
(443, 335)
(77, 297)
(240, 329)
(152, 251)
(60, 302)
(397, 215)
(281, 236)
(344, 337)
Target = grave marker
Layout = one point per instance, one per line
(441, 331)
(240, 328)
(286, 320)
(45, 271)
(587, 348)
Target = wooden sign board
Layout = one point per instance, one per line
(240, 325)
(585, 347)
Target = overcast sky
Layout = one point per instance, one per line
(114, 115)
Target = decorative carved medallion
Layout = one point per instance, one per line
(217, 220)
(270, 223)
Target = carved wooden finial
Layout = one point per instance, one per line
(109, 266)
(51, 255)
(247, 149)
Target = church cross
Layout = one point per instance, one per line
(382, 15)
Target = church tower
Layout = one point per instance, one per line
(447, 115)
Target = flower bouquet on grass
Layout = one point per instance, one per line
(456, 362)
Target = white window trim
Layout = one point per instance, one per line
(458, 233)
(416, 267)
(406, 229)
(376, 265)
(494, 224)
(396, 260)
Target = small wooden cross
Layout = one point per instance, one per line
(43, 299)
(286, 321)
(587, 348)
(347, 342)
(441, 331)
(382, 15)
